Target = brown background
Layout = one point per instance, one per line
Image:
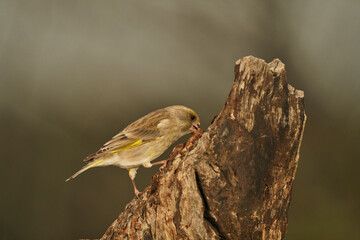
(74, 73)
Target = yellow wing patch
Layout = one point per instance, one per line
(96, 163)
(134, 144)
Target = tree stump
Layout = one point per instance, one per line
(234, 180)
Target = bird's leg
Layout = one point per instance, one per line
(163, 162)
(132, 174)
(136, 191)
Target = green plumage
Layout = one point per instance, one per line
(144, 140)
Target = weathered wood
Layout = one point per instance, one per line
(233, 181)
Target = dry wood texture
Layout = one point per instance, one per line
(234, 180)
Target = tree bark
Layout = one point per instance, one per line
(234, 180)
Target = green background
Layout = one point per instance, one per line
(74, 73)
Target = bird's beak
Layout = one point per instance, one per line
(194, 127)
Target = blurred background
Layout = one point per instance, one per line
(74, 73)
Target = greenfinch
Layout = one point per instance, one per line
(144, 140)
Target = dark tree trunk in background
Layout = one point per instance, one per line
(234, 181)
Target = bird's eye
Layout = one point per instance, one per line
(192, 117)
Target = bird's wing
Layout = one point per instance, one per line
(142, 131)
(125, 140)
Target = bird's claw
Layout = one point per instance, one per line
(137, 193)
(164, 165)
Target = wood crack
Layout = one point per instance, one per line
(207, 212)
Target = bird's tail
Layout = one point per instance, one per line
(83, 169)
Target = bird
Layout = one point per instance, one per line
(144, 140)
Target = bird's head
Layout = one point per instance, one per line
(185, 119)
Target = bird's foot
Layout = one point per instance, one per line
(137, 193)
(164, 164)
